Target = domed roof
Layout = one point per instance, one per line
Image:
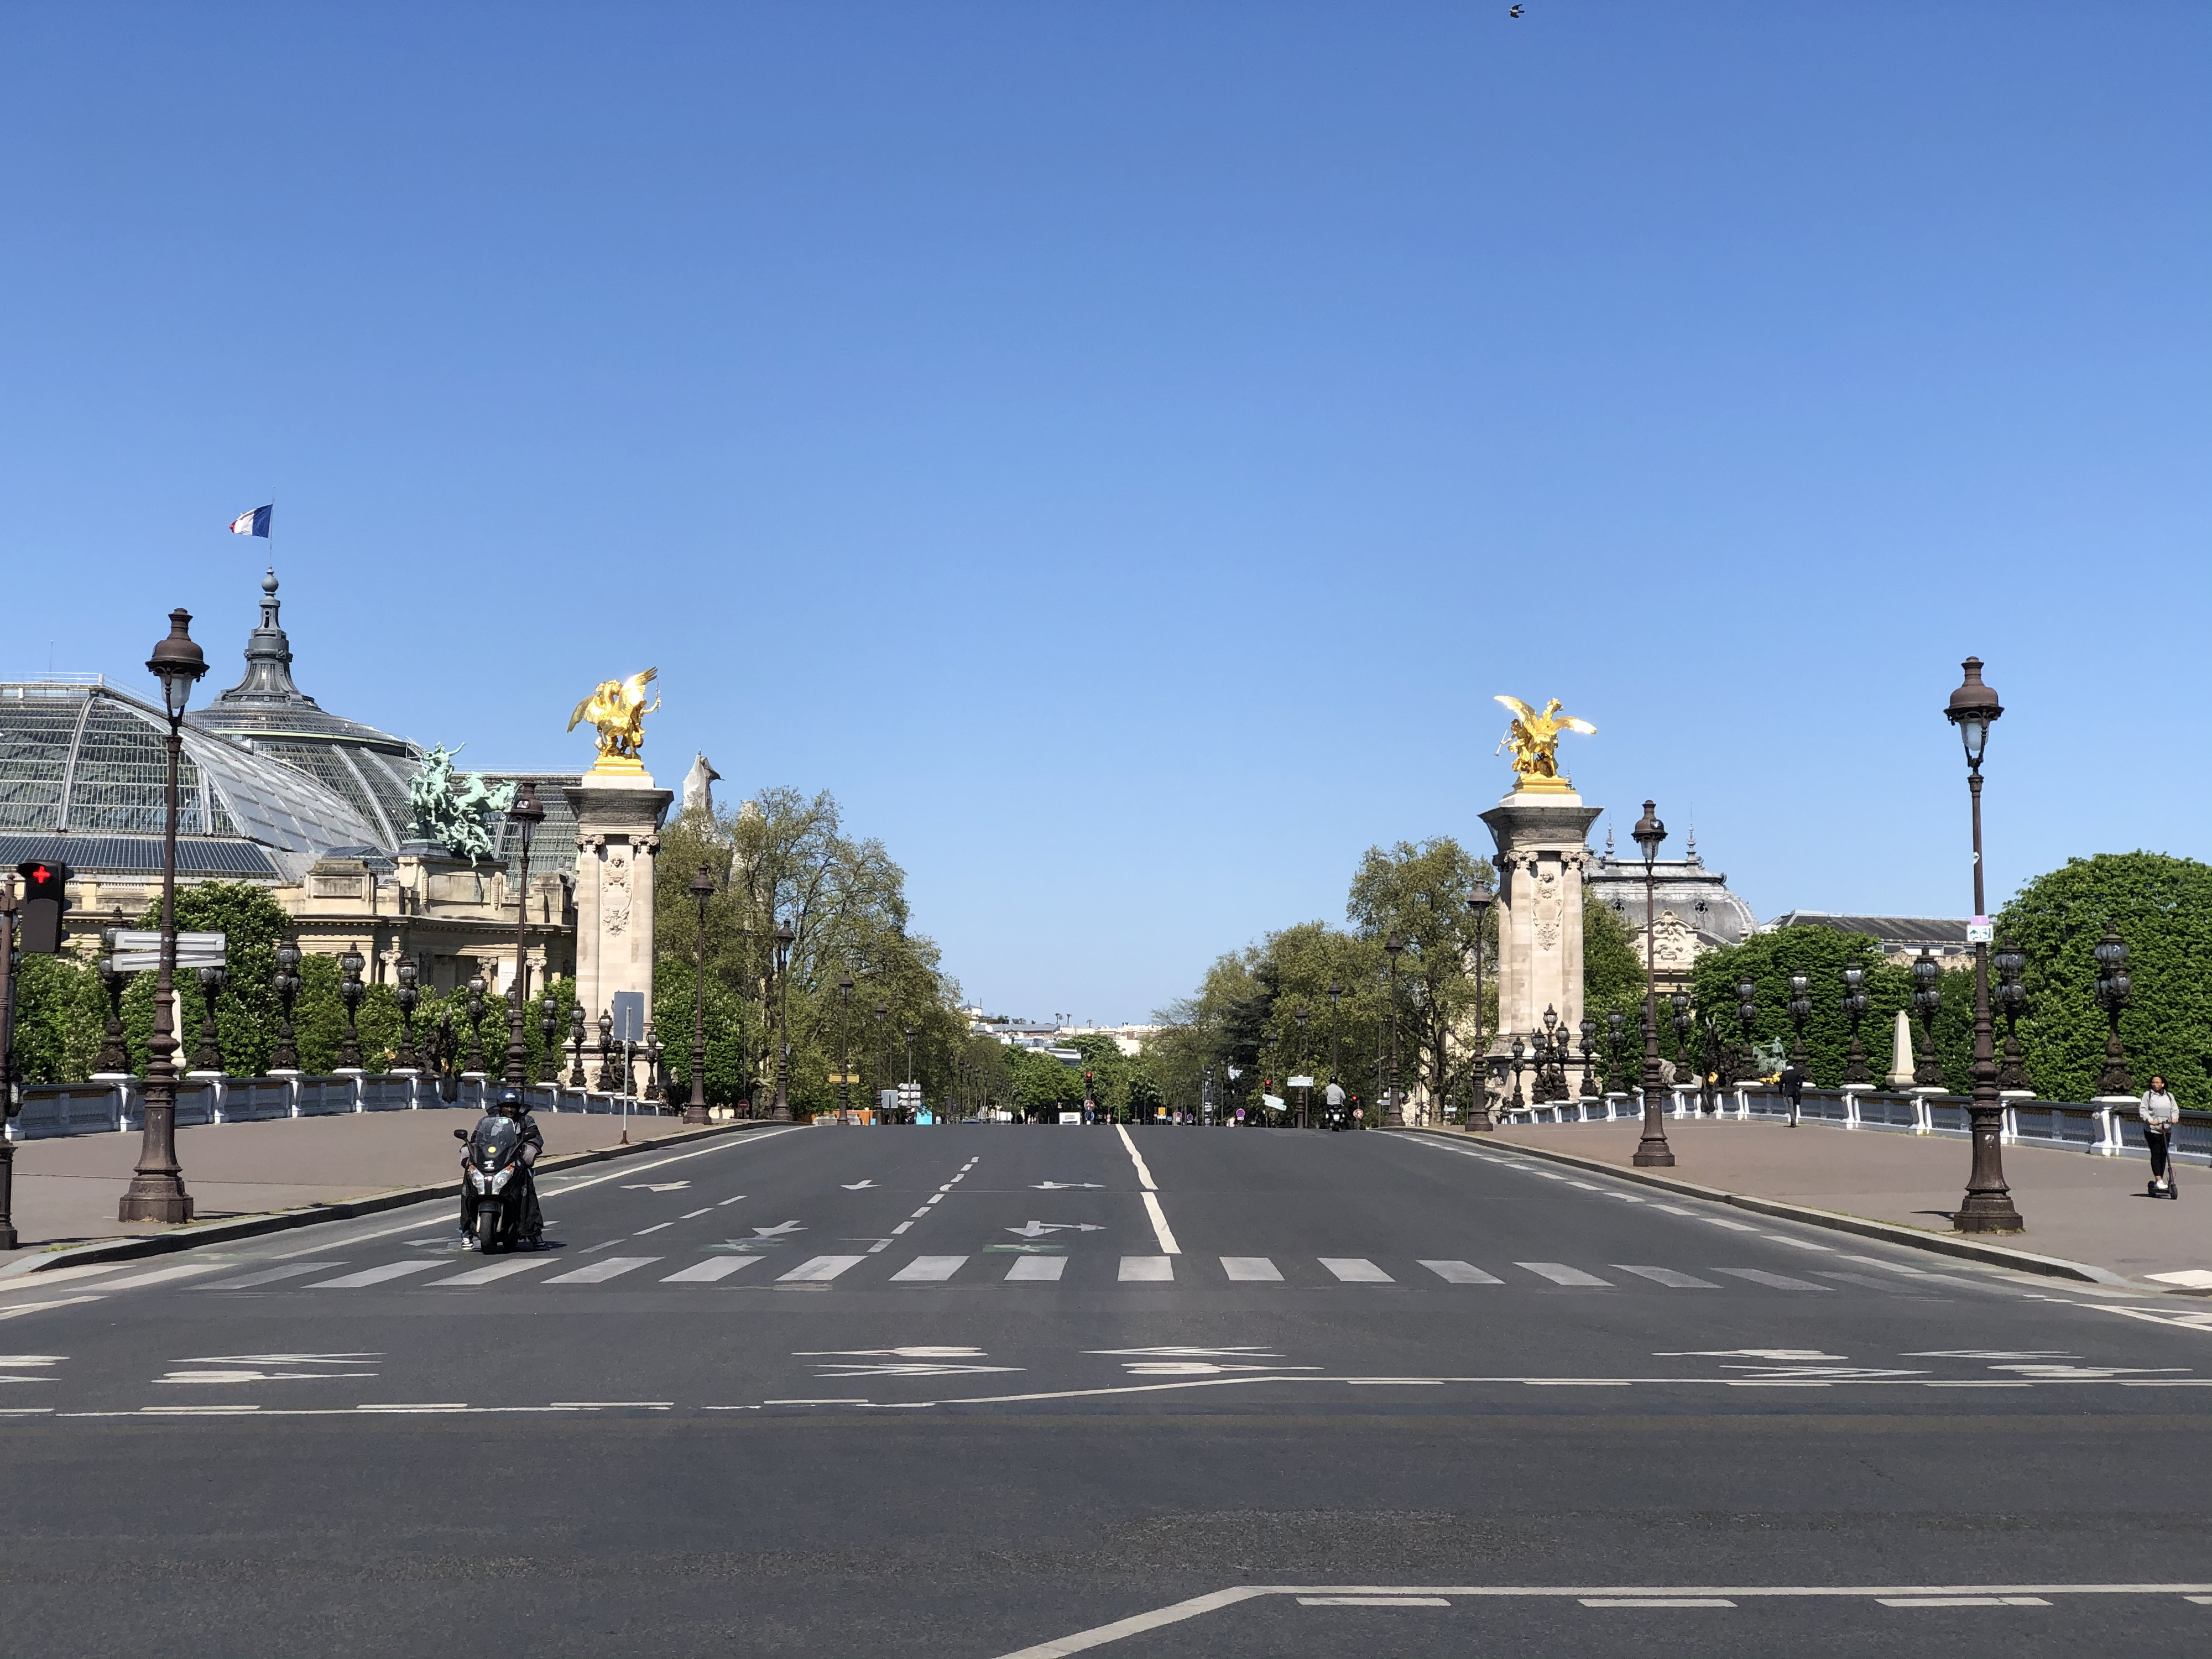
(367, 768)
(83, 779)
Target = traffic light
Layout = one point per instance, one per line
(46, 896)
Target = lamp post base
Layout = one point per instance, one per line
(696, 1114)
(1651, 1155)
(1988, 1212)
(155, 1198)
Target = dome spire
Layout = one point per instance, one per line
(268, 658)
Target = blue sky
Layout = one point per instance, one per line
(1121, 449)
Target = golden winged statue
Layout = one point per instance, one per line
(619, 708)
(1536, 740)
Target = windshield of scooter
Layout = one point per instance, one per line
(492, 1143)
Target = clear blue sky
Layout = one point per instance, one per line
(1121, 448)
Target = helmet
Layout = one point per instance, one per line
(508, 1098)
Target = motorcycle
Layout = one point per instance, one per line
(498, 1179)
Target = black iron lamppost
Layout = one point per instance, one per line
(1747, 1013)
(446, 1050)
(1551, 1078)
(844, 1049)
(1854, 1008)
(210, 1057)
(1335, 996)
(526, 814)
(1589, 1048)
(910, 1054)
(1479, 902)
(780, 1108)
(1927, 999)
(1680, 999)
(549, 1031)
(2112, 988)
(882, 1066)
(1616, 1084)
(653, 1052)
(407, 996)
(1800, 1009)
(157, 1192)
(1305, 1105)
(2012, 997)
(350, 992)
(1987, 1205)
(576, 1045)
(606, 1077)
(1652, 1151)
(701, 889)
(474, 1065)
(1395, 1117)
(1519, 1051)
(113, 1056)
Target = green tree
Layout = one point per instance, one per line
(1418, 893)
(1821, 954)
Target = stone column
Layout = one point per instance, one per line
(617, 838)
(1542, 846)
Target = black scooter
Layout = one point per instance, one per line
(500, 1180)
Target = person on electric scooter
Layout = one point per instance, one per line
(511, 1105)
(2161, 1114)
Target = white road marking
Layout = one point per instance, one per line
(1160, 1229)
(1036, 1270)
(1669, 1278)
(21, 1307)
(712, 1269)
(902, 1227)
(163, 1275)
(1560, 1273)
(1962, 1600)
(694, 1215)
(1462, 1273)
(1776, 1281)
(1356, 1270)
(1655, 1601)
(375, 1275)
(656, 1186)
(1733, 1226)
(1373, 1601)
(730, 1200)
(819, 1270)
(1143, 1172)
(857, 1186)
(1146, 1270)
(1798, 1243)
(270, 1276)
(918, 1214)
(492, 1272)
(1251, 1270)
(655, 1228)
(929, 1270)
(606, 1267)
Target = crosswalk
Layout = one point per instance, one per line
(419, 1273)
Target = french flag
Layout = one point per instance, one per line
(255, 523)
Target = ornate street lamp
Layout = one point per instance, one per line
(781, 1109)
(2112, 988)
(2012, 997)
(1478, 903)
(1335, 995)
(1987, 1205)
(1854, 1008)
(157, 1192)
(115, 1057)
(1800, 1009)
(407, 996)
(446, 1057)
(1680, 999)
(528, 815)
(209, 1059)
(844, 1049)
(701, 889)
(1747, 1015)
(350, 992)
(549, 1033)
(1589, 1048)
(576, 1045)
(883, 1057)
(1616, 1084)
(474, 1064)
(1395, 1118)
(1652, 1151)
(1519, 1051)
(1305, 1105)
(606, 1079)
(1927, 1001)
(652, 1063)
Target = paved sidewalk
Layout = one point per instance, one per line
(2085, 1209)
(67, 1188)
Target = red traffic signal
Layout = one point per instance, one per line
(46, 896)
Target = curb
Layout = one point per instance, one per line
(1995, 1256)
(191, 1237)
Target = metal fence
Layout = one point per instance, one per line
(117, 1105)
(2103, 1130)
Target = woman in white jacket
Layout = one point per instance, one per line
(2159, 1113)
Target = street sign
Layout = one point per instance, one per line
(46, 896)
(138, 950)
(1298, 1083)
(1979, 931)
(629, 1011)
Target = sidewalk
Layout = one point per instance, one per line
(2085, 1209)
(67, 1187)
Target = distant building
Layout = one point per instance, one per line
(1051, 1039)
(1901, 937)
(1693, 911)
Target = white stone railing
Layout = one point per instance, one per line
(114, 1104)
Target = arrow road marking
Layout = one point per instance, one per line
(1039, 1229)
(778, 1230)
(908, 1370)
(855, 1185)
(656, 1186)
(889, 1353)
(1069, 1186)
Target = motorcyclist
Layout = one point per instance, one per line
(510, 1105)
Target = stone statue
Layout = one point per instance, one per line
(619, 708)
(449, 812)
(1536, 740)
(699, 785)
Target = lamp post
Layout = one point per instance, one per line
(209, 1059)
(1746, 1012)
(606, 1077)
(701, 889)
(527, 814)
(1590, 1047)
(1305, 1101)
(1395, 1118)
(1800, 1009)
(1680, 1000)
(1854, 1008)
(1478, 903)
(445, 1057)
(157, 1192)
(1616, 1084)
(1988, 1207)
(780, 1106)
(1652, 1151)
(1927, 999)
(2012, 997)
(576, 1045)
(844, 1049)
(1519, 1049)
(549, 1030)
(1546, 1043)
(113, 1056)
(882, 1065)
(350, 992)
(2112, 988)
(1335, 996)
(473, 1066)
(407, 996)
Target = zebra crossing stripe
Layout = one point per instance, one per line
(1462, 1273)
(1669, 1278)
(490, 1272)
(929, 1270)
(713, 1268)
(1147, 1270)
(819, 1270)
(1036, 1269)
(375, 1275)
(268, 1276)
(606, 1267)
(1560, 1273)
(1779, 1281)
(1251, 1270)
(1356, 1270)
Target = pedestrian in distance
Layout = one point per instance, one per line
(2161, 1114)
(1793, 1089)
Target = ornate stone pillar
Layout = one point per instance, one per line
(617, 839)
(1542, 848)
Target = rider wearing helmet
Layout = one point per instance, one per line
(509, 1104)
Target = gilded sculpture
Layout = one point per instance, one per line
(1535, 739)
(619, 708)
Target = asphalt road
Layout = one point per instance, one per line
(978, 1391)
